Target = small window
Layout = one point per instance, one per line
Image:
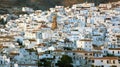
(113, 61)
(107, 61)
(104, 51)
(86, 58)
(102, 66)
(113, 52)
(90, 54)
(92, 61)
(118, 45)
(73, 53)
(114, 40)
(113, 24)
(119, 61)
(85, 54)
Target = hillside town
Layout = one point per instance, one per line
(84, 35)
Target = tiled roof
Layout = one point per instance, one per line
(85, 40)
(106, 58)
(114, 48)
(32, 39)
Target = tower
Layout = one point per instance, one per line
(54, 22)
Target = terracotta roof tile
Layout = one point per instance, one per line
(114, 48)
(106, 58)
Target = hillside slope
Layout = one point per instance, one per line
(45, 4)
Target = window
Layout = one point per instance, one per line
(92, 61)
(104, 51)
(40, 35)
(114, 40)
(113, 61)
(113, 52)
(107, 61)
(85, 57)
(113, 24)
(73, 53)
(85, 54)
(102, 66)
(119, 61)
(90, 54)
(118, 52)
(118, 45)
(88, 60)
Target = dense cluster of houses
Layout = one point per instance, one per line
(89, 34)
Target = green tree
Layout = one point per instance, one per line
(46, 62)
(39, 64)
(65, 61)
(2, 21)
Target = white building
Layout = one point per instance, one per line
(114, 51)
(106, 61)
(85, 44)
(4, 61)
(27, 9)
